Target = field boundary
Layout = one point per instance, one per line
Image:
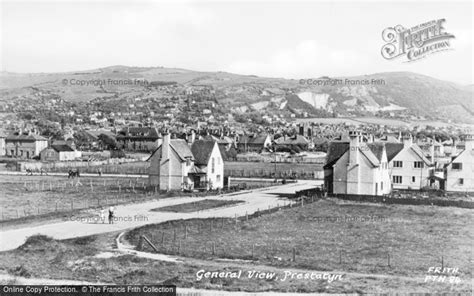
(390, 200)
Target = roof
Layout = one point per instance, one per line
(139, 132)
(202, 151)
(62, 148)
(23, 137)
(181, 148)
(295, 140)
(373, 152)
(255, 140)
(377, 149)
(420, 153)
(335, 151)
(393, 149)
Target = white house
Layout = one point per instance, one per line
(459, 173)
(170, 165)
(61, 152)
(176, 166)
(357, 167)
(409, 167)
(209, 160)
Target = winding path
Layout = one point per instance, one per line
(139, 214)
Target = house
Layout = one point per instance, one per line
(408, 164)
(459, 173)
(357, 167)
(171, 164)
(59, 152)
(254, 143)
(176, 166)
(209, 160)
(292, 142)
(138, 139)
(25, 145)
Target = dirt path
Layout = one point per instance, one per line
(135, 215)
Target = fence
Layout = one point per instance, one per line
(404, 200)
(269, 173)
(201, 239)
(57, 197)
(64, 166)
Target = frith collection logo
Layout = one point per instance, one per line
(416, 42)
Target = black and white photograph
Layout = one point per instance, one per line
(236, 148)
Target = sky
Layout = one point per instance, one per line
(288, 39)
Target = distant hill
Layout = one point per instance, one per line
(400, 91)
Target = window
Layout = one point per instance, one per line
(381, 185)
(397, 179)
(397, 164)
(218, 178)
(413, 179)
(188, 161)
(213, 167)
(461, 181)
(418, 164)
(457, 166)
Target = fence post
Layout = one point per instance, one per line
(185, 231)
(388, 259)
(213, 248)
(294, 254)
(72, 205)
(56, 207)
(253, 251)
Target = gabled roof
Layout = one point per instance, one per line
(420, 153)
(202, 151)
(62, 148)
(335, 151)
(255, 140)
(23, 137)
(139, 132)
(181, 148)
(295, 140)
(372, 156)
(377, 149)
(373, 152)
(393, 149)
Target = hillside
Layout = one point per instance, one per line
(401, 93)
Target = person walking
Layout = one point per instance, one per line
(111, 215)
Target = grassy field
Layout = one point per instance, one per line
(416, 237)
(197, 206)
(329, 235)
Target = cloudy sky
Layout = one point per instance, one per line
(268, 38)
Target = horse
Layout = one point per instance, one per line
(72, 174)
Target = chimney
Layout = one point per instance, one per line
(165, 165)
(353, 175)
(453, 150)
(354, 145)
(407, 140)
(191, 137)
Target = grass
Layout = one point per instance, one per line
(25, 196)
(197, 206)
(415, 237)
(439, 228)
